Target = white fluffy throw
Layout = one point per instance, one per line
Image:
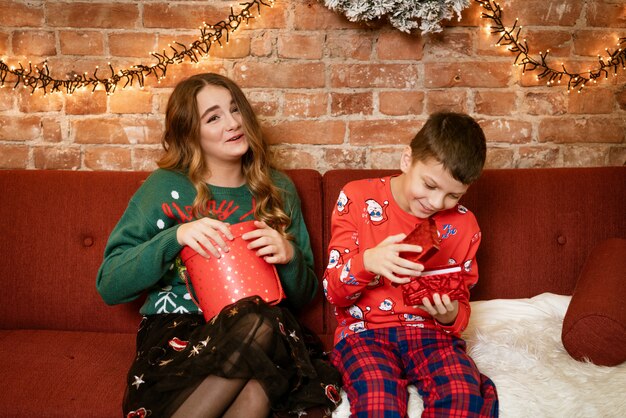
(517, 343)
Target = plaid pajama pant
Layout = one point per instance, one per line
(377, 365)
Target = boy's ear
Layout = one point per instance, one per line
(406, 159)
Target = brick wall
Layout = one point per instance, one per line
(330, 93)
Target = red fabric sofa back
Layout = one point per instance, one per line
(54, 227)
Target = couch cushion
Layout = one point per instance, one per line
(594, 327)
(65, 374)
(54, 227)
(309, 185)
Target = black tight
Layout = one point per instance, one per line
(217, 396)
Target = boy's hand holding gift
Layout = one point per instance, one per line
(434, 287)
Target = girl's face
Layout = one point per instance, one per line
(221, 131)
(426, 187)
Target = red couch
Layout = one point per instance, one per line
(64, 353)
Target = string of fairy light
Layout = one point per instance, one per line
(510, 38)
(34, 77)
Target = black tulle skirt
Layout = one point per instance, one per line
(175, 352)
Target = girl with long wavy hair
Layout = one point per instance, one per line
(252, 359)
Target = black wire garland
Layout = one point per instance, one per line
(510, 38)
(34, 77)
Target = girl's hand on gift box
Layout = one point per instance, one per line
(205, 236)
(269, 244)
(384, 259)
(441, 308)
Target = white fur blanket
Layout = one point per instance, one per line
(517, 343)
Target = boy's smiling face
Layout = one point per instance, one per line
(425, 187)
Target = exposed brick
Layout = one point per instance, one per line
(7, 96)
(383, 132)
(237, 47)
(582, 130)
(620, 98)
(86, 103)
(311, 15)
(329, 92)
(132, 44)
(52, 131)
(20, 128)
(496, 103)
(592, 100)
(374, 75)
(184, 16)
(264, 104)
(617, 156)
(107, 158)
(446, 101)
(261, 45)
(82, 42)
(131, 101)
(55, 158)
(160, 99)
(507, 130)
(269, 18)
(99, 131)
(553, 102)
(13, 156)
(356, 46)
(611, 14)
(351, 103)
(35, 43)
(448, 44)
(385, 157)
(287, 157)
(306, 132)
(305, 46)
(305, 105)
(536, 12)
(535, 157)
(467, 74)
(144, 159)
(499, 158)
(345, 158)
(38, 102)
(487, 43)
(592, 42)
(587, 156)
(92, 15)
(4, 42)
(397, 45)
(145, 131)
(283, 75)
(557, 42)
(396, 103)
(21, 14)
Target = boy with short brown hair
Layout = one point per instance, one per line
(382, 344)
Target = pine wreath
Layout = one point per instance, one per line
(404, 15)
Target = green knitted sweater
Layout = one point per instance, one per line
(140, 255)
